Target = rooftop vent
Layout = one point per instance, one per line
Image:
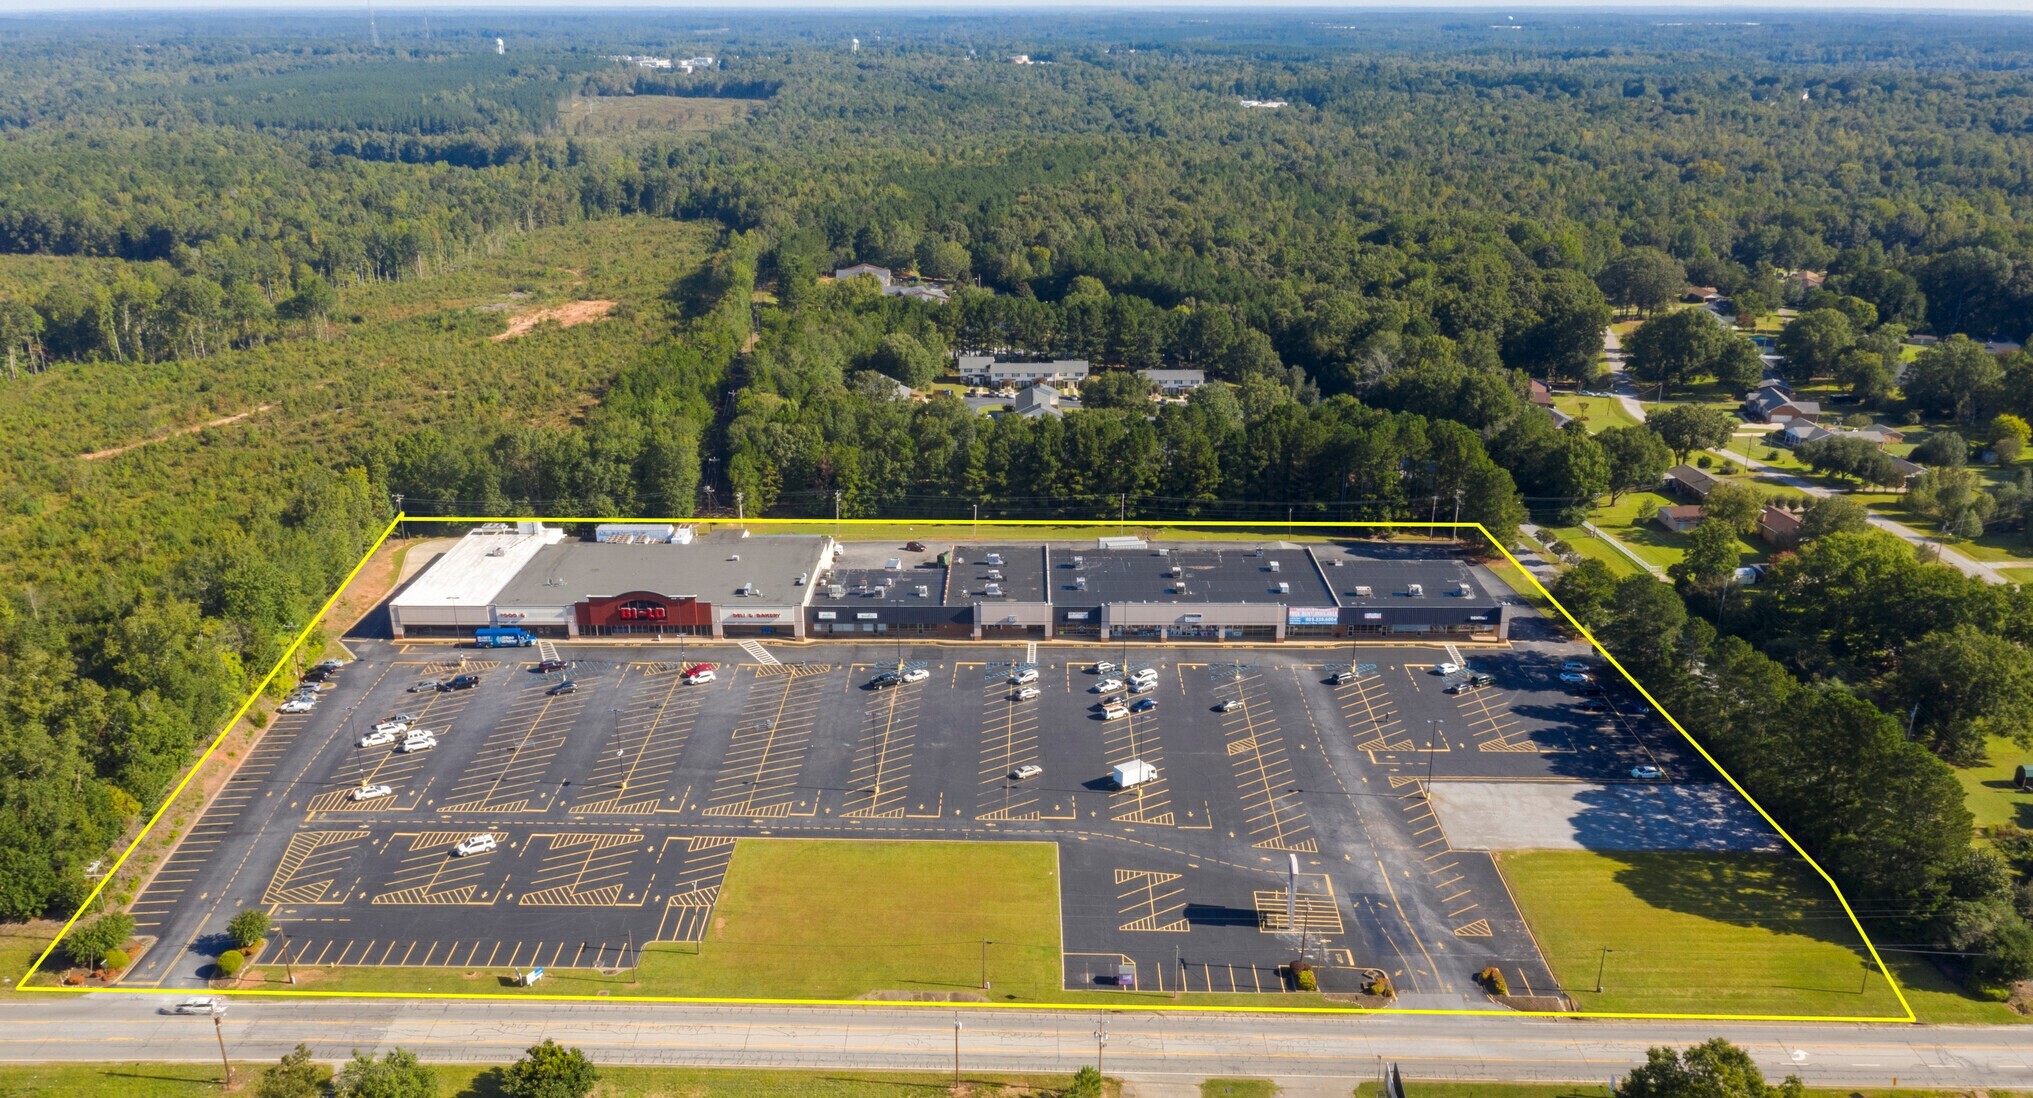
(924, 592)
(836, 592)
(1415, 590)
(1364, 592)
(993, 590)
(995, 558)
(1284, 588)
(1274, 566)
(497, 551)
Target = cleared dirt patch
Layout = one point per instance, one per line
(564, 316)
(115, 451)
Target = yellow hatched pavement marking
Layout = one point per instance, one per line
(309, 852)
(1144, 899)
(1316, 912)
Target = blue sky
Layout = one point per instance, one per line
(976, 6)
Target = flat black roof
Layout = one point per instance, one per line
(1391, 573)
(1196, 573)
(1020, 577)
(870, 584)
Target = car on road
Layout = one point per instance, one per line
(426, 686)
(914, 547)
(1025, 694)
(1107, 686)
(1027, 675)
(1647, 773)
(197, 1006)
(1105, 668)
(418, 741)
(1575, 678)
(476, 844)
(1228, 705)
(552, 664)
(372, 792)
(1447, 668)
(917, 674)
(700, 675)
(1027, 771)
(565, 687)
(297, 705)
(1574, 665)
(1144, 705)
(378, 738)
(462, 682)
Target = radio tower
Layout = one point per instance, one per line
(373, 32)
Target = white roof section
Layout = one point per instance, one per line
(478, 566)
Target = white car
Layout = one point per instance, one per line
(1105, 668)
(1574, 677)
(296, 705)
(1229, 705)
(1115, 712)
(1027, 675)
(917, 674)
(700, 675)
(1025, 694)
(1648, 773)
(197, 1006)
(372, 792)
(416, 743)
(1574, 665)
(1107, 686)
(1143, 686)
(377, 738)
(1027, 771)
(1145, 674)
(1447, 669)
(477, 844)
(397, 725)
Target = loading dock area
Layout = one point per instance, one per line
(615, 807)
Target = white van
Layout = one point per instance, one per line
(1115, 711)
(418, 741)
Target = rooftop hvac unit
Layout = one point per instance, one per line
(1284, 588)
(1079, 562)
(1274, 566)
(924, 592)
(879, 593)
(894, 564)
(802, 577)
(1415, 590)
(995, 573)
(1462, 590)
(734, 556)
(1164, 552)
(993, 590)
(1364, 592)
(497, 551)
(1080, 583)
(836, 592)
(745, 589)
(995, 558)
(1338, 562)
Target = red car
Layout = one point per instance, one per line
(552, 665)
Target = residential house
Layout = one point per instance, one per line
(1688, 481)
(882, 275)
(1681, 517)
(1700, 295)
(1038, 400)
(886, 278)
(1907, 470)
(1779, 527)
(1799, 432)
(1175, 382)
(1808, 280)
(1774, 402)
(1542, 397)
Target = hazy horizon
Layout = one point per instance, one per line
(965, 7)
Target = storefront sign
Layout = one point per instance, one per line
(1312, 615)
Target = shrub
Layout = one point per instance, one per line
(295, 1076)
(1991, 993)
(1493, 979)
(1307, 981)
(1728, 469)
(549, 1070)
(1703, 461)
(115, 960)
(231, 962)
(1771, 455)
(1380, 985)
(248, 928)
(1087, 1083)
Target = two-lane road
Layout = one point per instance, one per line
(1147, 1046)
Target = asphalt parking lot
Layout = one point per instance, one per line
(615, 807)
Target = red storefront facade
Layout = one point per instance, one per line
(644, 612)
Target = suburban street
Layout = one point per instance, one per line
(1317, 1054)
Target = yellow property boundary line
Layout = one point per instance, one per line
(1455, 527)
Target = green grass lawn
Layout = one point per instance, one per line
(20, 945)
(1239, 1088)
(1595, 412)
(1987, 788)
(1594, 548)
(155, 1080)
(1649, 540)
(2017, 575)
(1417, 1089)
(1696, 934)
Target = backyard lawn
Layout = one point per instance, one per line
(1695, 933)
(1988, 790)
(1595, 413)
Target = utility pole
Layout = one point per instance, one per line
(977, 523)
(1100, 1039)
(956, 1051)
(219, 1031)
(836, 514)
(740, 506)
(1178, 971)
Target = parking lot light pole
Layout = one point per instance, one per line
(957, 1025)
(985, 943)
(286, 966)
(1600, 964)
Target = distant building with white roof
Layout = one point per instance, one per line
(456, 593)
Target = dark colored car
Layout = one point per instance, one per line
(565, 687)
(915, 547)
(885, 680)
(462, 682)
(317, 674)
(552, 665)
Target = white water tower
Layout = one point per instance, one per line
(500, 47)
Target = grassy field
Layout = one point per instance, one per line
(152, 1080)
(1987, 789)
(1239, 1088)
(1650, 540)
(1695, 933)
(1594, 548)
(1596, 412)
(21, 944)
(1414, 1089)
(650, 114)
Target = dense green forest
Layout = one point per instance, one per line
(204, 216)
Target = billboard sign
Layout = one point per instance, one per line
(1312, 615)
